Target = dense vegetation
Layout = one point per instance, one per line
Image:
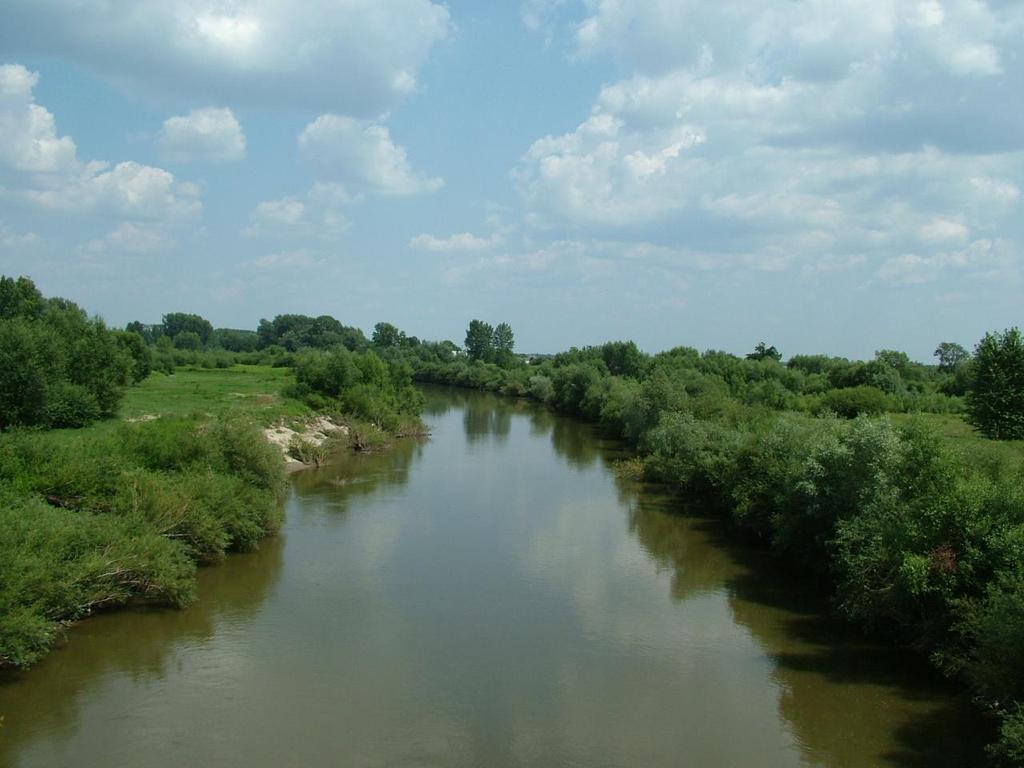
(92, 520)
(58, 367)
(827, 461)
(123, 512)
(915, 537)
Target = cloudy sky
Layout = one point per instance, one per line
(826, 175)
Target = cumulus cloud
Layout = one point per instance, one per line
(982, 259)
(130, 238)
(209, 134)
(128, 189)
(361, 153)
(28, 132)
(796, 134)
(41, 167)
(462, 242)
(318, 214)
(348, 56)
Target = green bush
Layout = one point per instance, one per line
(851, 402)
(89, 521)
(995, 397)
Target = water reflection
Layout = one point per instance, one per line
(494, 596)
(849, 702)
(139, 646)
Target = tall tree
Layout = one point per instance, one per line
(183, 322)
(387, 335)
(479, 340)
(763, 352)
(502, 343)
(951, 356)
(995, 398)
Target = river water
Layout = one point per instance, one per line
(493, 596)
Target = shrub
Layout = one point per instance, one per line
(850, 402)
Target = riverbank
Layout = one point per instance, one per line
(915, 534)
(494, 597)
(124, 511)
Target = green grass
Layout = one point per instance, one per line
(123, 511)
(966, 439)
(252, 389)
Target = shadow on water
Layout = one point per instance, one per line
(844, 696)
(140, 644)
(359, 473)
(848, 701)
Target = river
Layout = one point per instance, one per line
(493, 596)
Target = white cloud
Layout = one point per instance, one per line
(942, 230)
(982, 258)
(462, 242)
(806, 135)
(602, 173)
(28, 133)
(361, 153)
(318, 214)
(816, 39)
(130, 238)
(349, 56)
(128, 190)
(39, 166)
(210, 134)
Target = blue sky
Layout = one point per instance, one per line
(825, 175)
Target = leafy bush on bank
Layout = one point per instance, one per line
(92, 521)
(915, 540)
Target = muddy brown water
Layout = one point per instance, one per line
(491, 597)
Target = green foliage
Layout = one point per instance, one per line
(503, 344)
(951, 356)
(386, 335)
(995, 399)
(298, 332)
(175, 324)
(479, 340)
(58, 565)
(234, 340)
(765, 352)
(188, 340)
(360, 384)
(141, 355)
(851, 402)
(58, 368)
(1009, 750)
(100, 519)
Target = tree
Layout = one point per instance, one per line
(764, 352)
(502, 343)
(19, 297)
(995, 397)
(387, 335)
(951, 356)
(188, 340)
(479, 340)
(182, 322)
(623, 358)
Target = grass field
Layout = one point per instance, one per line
(254, 389)
(966, 439)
